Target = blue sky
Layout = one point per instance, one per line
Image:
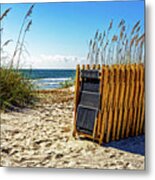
(60, 32)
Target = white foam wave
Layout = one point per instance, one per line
(46, 83)
(50, 80)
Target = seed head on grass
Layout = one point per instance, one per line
(110, 25)
(100, 37)
(7, 42)
(133, 40)
(94, 47)
(106, 45)
(104, 34)
(122, 22)
(96, 34)
(90, 43)
(122, 32)
(29, 12)
(88, 56)
(28, 26)
(101, 43)
(5, 14)
(126, 44)
(114, 38)
(142, 37)
(134, 27)
(138, 29)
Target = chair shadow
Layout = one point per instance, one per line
(131, 144)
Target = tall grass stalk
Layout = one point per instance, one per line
(118, 44)
(15, 90)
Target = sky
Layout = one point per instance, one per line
(60, 32)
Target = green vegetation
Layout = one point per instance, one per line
(15, 89)
(67, 83)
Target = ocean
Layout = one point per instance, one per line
(45, 79)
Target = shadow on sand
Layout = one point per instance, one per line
(132, 144)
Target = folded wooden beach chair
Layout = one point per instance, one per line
(89, 102)
(88, 105)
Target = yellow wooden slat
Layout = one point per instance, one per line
(83, 135)
(141, 94)
(105, 93)
(116, 100)
(76, 96)
(87, 66)
(83, 67)
(122, 92)
(126, 101)
(142, 101)
(131, 99)
(101, 107)
(135, 102)
(110, 104)
(142, 125)
(98, 66)
(93, 66)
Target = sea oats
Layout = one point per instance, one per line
(138, 29)
(29, 11)
(96, 34)
(134, 27)
(133, 40)
(114, 38)
(110, 26)
(123, 28)
(90, 43)
(101, 43)
(141, 37)
(104, 34)
(88, 56)
(106, 45)
(94, 47)
(5, 13)
(121, 23)
(119, 50)
(121, 45)
(121, 35)
(100, 37)
(126, 43)
(28, 26)
(7, 42)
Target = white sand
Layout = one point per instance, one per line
(42, 137)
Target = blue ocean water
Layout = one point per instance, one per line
(48, 78)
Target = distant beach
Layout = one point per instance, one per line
(45, 79)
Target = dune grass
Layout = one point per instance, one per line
(67, 83)
(118, 44)
(15, 90)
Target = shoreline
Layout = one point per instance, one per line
(71, 88)
(42, 137)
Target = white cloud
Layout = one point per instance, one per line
(53, 62)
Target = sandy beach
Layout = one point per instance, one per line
(42, 137)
